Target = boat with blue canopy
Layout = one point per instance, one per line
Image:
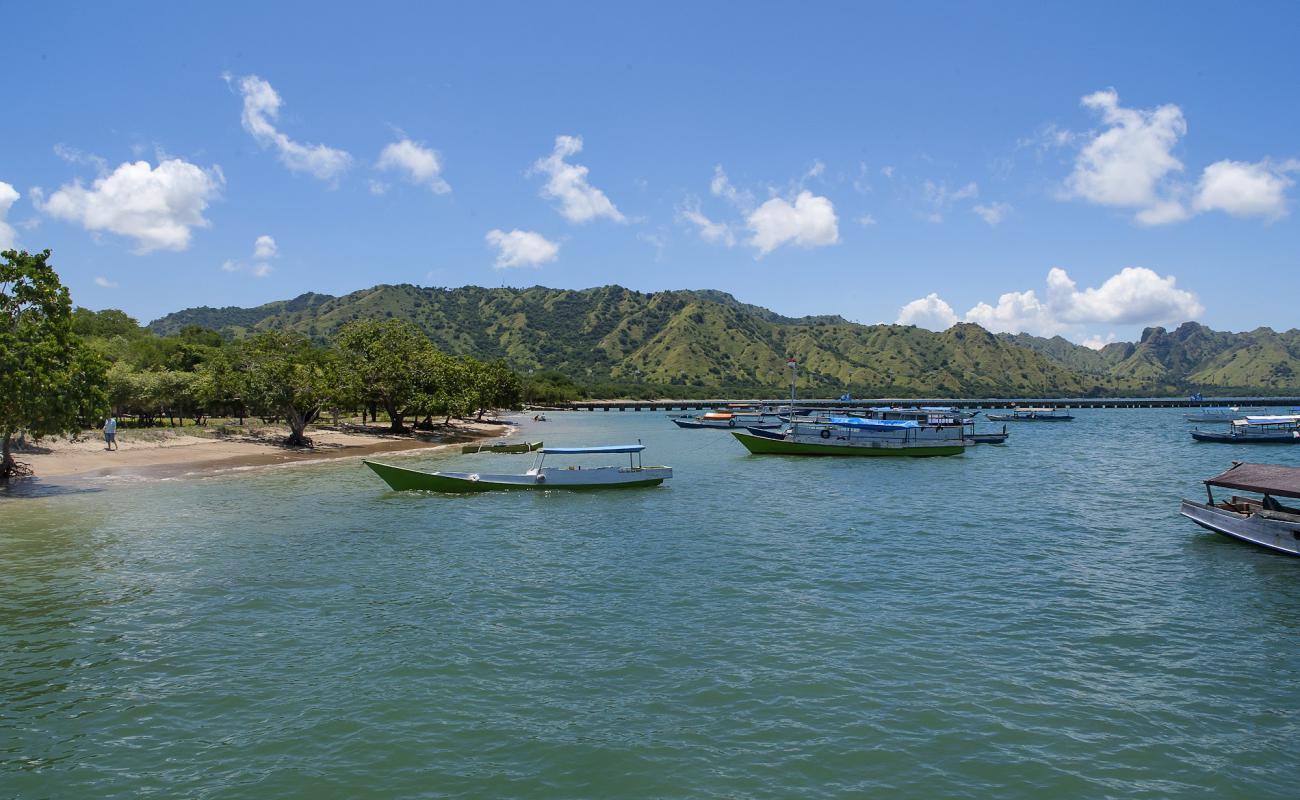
(857, 436)
(539, 476)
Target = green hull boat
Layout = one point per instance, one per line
(766, 445)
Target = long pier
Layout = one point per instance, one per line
(956, 402)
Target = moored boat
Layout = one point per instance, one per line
(725, 419)
(1273, 429)
(1214, 414)
(1025, 414)
(1265, 521)
(501, 447)
(855, 436)
(538, 476)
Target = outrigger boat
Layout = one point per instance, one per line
(1033, 415)
(1264, 522)
(855, 436)
(502, 447)
(1275, 429)
(725, 419)
(537, 477)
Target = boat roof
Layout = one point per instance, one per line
(1271, 419)
(1272, 479)
(1039, 410)
(874, 424)
(575, 451)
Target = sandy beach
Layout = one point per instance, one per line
(165, 452)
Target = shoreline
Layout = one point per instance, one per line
(169, 454)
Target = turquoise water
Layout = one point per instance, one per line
(1029, 621)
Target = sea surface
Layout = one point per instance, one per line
(1027, 621)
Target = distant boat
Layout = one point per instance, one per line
(1265, 521)
(537, 477)
(1033, 415)
(725, 419)
(1214, 414)
(988, 438)
(855, 436)
(1275, 429)
(502, 447)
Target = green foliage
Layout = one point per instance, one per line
(286, 375)
(611, 341)
(49, 383)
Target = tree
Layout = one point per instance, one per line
(287, 375)
(49, 383)
(390, 362)
(493, 385)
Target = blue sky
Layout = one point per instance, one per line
(1128, 164)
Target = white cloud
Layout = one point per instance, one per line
(1096, 342)
(378, 187)
(579, 200)
(710, 231)
(261, 108)
(74, 156)
(816, 170)
(262, 270)
(866, 220)
(940, 198)
(1244, 190)
(993, 213)
(929, 312)
(156, 206)
(1134, 295)
(1126, 164)
(265, 247)
(105, 283)
(809, 221)
(887, 171)
(231, 265)
(8, 196)
(721, 186)
(521, 248)
(419, 163)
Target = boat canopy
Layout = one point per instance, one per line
(1273, 419)
(1262, 478)
(1029, 410)
(576, 451)
(875, 424)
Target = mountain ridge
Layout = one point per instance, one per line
(709, 339)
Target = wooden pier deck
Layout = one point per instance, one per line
(984, 402)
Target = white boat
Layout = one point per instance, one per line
(855, 436)
(1269, 429)
(1214, 414)
(1265, 521)
(1024, 414)
(726, 419)
(537, 477)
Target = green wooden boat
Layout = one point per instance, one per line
(502, 447)
(851, 436)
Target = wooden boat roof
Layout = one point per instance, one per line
(1273, 479)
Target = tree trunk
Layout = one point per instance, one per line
(297, 424)
(395, 416)
(6, 458)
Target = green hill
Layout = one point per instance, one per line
(695, 342)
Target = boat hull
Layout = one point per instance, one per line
(1228, 438)
(1026, 418)
(513, 447)
(1275, 535)
(759, 444)
(692, 424)
(400, 479)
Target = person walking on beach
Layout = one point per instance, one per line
(110, 433)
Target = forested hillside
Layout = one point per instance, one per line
(611, 340)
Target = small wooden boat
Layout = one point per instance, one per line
(725, 419)
(1276, 429)
(1033, 415)
(502, 447)
(987, 438)
(1214, 414)
(855, 436)
(538, 477)
(1265, 521)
